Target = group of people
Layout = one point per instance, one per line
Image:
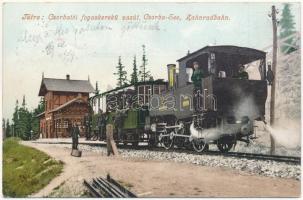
(198, 74)
(102, 120)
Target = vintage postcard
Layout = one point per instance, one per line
(151, 99)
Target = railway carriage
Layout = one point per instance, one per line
(164, 112)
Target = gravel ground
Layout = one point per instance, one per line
(257, 167)
(168, 173)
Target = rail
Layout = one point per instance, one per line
(277, 158)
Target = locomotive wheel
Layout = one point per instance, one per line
(199, 145)
(224, 147)
(167, 142)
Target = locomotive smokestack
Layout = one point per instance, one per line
(171, 72)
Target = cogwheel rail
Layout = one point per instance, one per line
(277, 158)
(253, 156)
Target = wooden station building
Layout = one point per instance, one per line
(66, 101)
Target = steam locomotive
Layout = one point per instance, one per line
(165, 112)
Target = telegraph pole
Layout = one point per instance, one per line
(273, 86)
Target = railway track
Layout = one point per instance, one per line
(252, 156)
(278, 158)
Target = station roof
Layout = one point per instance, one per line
(65, 85)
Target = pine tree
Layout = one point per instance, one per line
(16, 120)
(35, 123)
(134, 75)
(3, 127)
(24, 121)
(97, 89)
(287, 28)
(8, 129)
(41, 106)
(23, 102)
(121, 73)
(144, 74)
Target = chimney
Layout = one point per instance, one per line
(67, 77)
(171, 72)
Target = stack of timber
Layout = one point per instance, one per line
(107, 188)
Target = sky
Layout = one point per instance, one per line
(91, 48)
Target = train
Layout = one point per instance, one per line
(170, 114)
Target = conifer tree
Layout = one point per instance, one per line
(23, 121)
(97, 88)
(3, 126)
(134, 75)
(8, 129)
(144, 74)
(121, 74)
(35, 125)
(16, 120)
(287, 28)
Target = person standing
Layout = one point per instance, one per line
(242, 74)
(75, 136)
(196, 78)
(119, 122)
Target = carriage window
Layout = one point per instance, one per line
(162, 89)
(159, 89)
(156, 89)
(144, 92)
(141, 89)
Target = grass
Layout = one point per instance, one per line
(26, 170)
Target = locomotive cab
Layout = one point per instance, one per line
(237, 101)
(234, 96)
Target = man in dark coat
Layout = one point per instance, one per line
(119, 121)
(75, 135)
(196, 78)
(197, 75)
(242, 74)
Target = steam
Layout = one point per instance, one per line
(288, 137)
(207, 134)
